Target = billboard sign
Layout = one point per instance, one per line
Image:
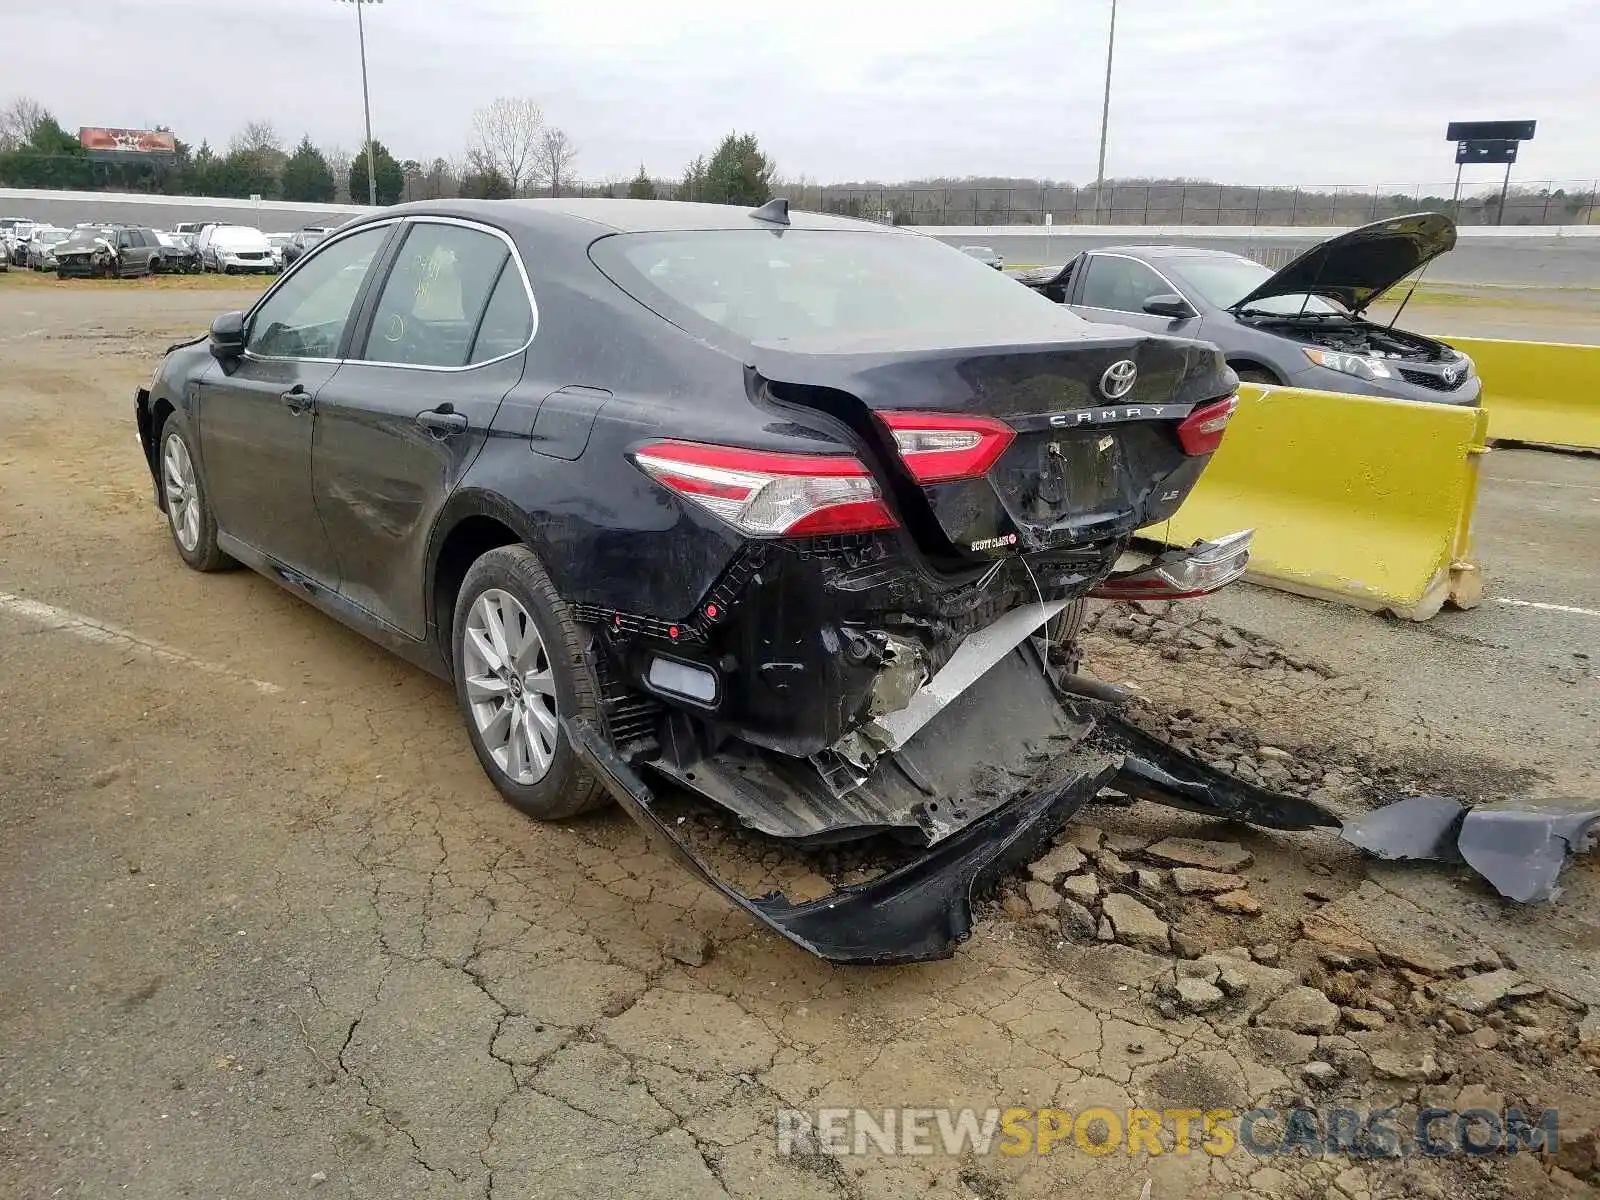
(126, 144)
(1489, 131)
(1485, 151)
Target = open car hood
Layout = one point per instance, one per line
(1356, 268)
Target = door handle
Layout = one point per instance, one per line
(443, 421)
(297, 399)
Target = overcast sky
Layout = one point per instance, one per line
(1247, 91)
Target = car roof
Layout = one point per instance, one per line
(1155, 252)
(587, 218)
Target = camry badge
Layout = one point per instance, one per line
(1118, 380)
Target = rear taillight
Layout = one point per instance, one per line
(1179, 574)
(764, 494)
(1201, 431)
(940, 447)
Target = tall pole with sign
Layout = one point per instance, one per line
(1105, 114)
(366, 104)
(1487, 142)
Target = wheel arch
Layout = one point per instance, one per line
(472, 523)
(151, 414)
(1246, 362)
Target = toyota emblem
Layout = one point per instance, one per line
(1118, 380)
(1450, 375)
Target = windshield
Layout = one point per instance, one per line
(797, 284)
(50, 237)
(86, 237)
(1223, 282)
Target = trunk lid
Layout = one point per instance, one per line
(1357, 267)
(1094, 452)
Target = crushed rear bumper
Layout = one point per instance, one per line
(924, 909)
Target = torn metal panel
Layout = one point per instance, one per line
(1521, 846)
(921, 911)
(972, 659)
(1416, 828)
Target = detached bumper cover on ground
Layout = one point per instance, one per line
(923, 910)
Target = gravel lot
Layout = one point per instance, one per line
(270, 932)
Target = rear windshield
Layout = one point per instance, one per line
(801, 285)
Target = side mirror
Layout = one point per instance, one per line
(227, 335)
(1168, 304)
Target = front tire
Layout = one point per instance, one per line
(520, 666)
(189, 516)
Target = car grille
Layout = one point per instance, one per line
(251, 255)
(1429, 379)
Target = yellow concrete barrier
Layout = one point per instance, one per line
(1352, 498)
(1547, 392)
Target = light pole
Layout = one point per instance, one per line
(1105, 114)
(366, 104)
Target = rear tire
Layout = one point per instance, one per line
(1064, 634)
(520, 664)
(190, 519)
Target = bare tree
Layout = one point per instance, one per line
(18, 121)
(507, 135)
(553, 162)
(338, 159)
(256, 136)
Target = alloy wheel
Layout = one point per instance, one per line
(510, 686)
(183, 497)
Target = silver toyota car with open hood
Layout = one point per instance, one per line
(1302, 326)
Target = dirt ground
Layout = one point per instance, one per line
(269, 930)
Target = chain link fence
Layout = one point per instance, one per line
(1538, 202)
(1544, 202)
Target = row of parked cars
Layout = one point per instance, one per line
(109, 249)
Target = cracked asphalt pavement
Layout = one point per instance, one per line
(269, 931)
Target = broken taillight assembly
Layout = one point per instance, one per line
(1182, 573)
(766, 494)
(941, 447)
(1201, 431)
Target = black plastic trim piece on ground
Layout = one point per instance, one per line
(1159, 773)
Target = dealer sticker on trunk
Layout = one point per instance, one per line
(994, 543)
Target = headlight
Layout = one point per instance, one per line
(1350, 364)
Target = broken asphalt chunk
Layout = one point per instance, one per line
(1207, 856)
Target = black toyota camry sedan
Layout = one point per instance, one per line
(749, 502)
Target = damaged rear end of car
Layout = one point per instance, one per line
(886, 645)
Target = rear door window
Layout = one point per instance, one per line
(435, 296)
(507, 321)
